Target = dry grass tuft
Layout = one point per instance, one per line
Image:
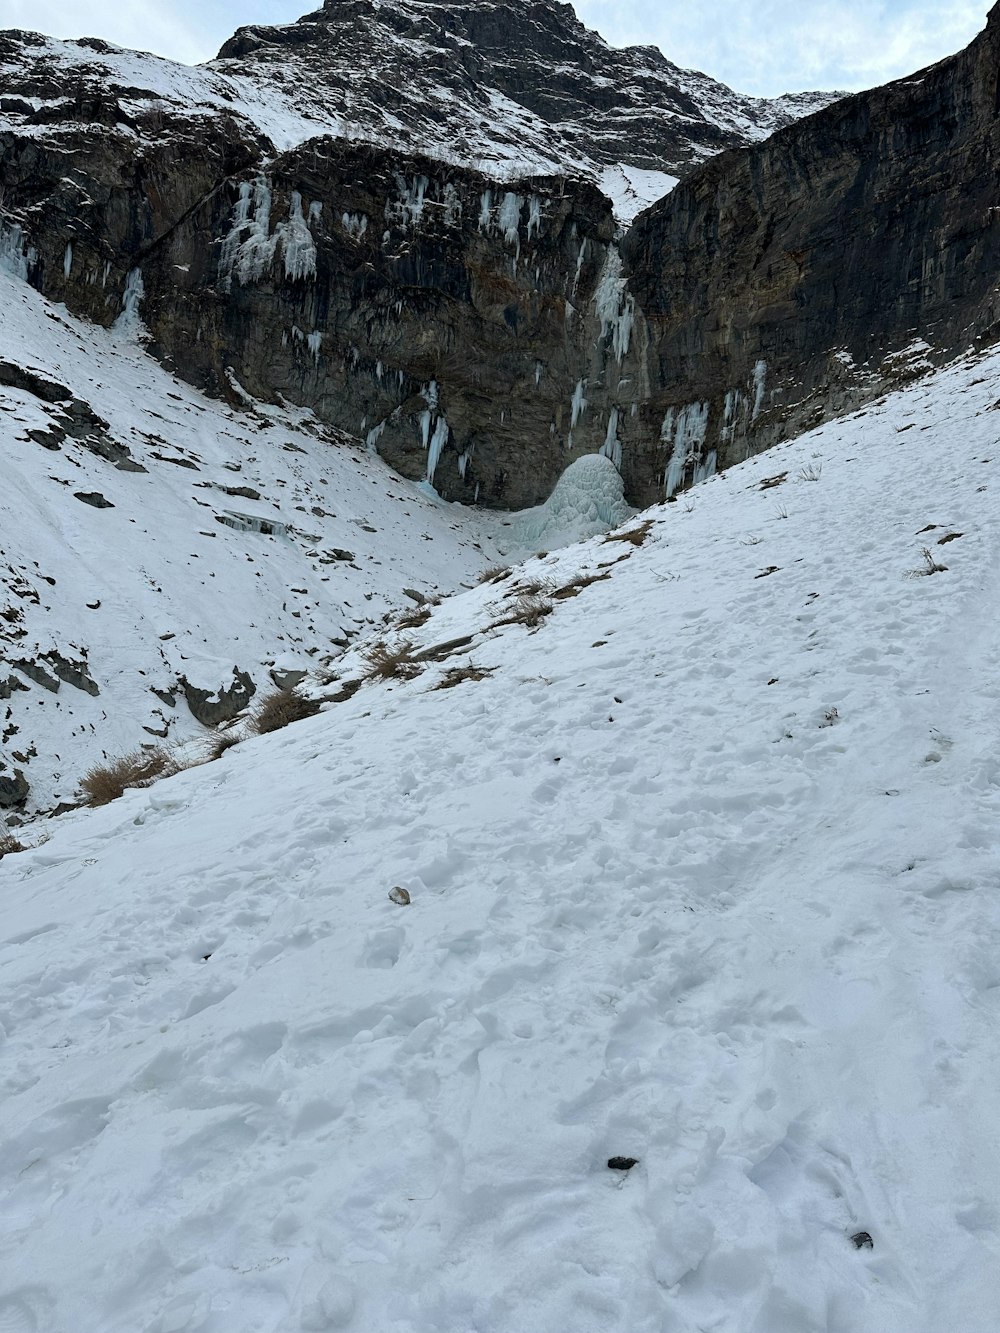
(414, 619)
(106, 782)
(280, 708)
(530, 588)
(456, 675)
(9, 845)
(931, 566)
(527, 610)
(221, 742)
(391, 661)
(577, 586)
(495, 575)
(634, 536)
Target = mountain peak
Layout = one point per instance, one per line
(516, 87)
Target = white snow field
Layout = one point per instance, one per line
(703, 873)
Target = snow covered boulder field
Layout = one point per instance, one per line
(696, 828)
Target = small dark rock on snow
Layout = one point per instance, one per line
(861, 1240)
(622, 1163)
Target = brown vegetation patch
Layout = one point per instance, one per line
(414, 619)
(634, 536)
(529, 588)
(280, 708)
(495, 575)
(221, 742)
(9, 845)
(391, 661)
(456, 675)
(577, 586)
(931, 566)
(528, 610)
(106, 782)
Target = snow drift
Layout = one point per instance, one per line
(701, 874)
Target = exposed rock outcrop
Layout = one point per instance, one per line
(482, 335)
(447, 321)
(475, 331)
(14, 790)
(518, 84)
(791, 281)
(210, 707)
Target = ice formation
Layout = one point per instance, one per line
(588, 498)
(615, 305)
(685, 431)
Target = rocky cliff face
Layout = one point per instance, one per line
(304, 220)
(515, 86)
(794, 280)
(446, 321)
(456, 326)
(271, 223)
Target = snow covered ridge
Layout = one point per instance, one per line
(513, 89)
(699, 876)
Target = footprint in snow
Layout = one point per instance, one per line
(382, 948)
(24, 1312)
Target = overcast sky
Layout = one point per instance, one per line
(758, 46)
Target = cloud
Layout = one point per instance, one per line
(141, 24)
(773, 46)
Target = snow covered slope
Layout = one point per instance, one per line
(702, 873)
(257, 541)
(510, 87)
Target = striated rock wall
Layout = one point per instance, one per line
(794, 280)
(445, 320)
(482, 335)
(477, 335)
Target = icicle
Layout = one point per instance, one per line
(614, 305)
(612, 446)
(759, 376)
(355, 224)
(509, 220)
(438, 442)
(688, 430)
(578, 404)
(129, 323)
(534, 216)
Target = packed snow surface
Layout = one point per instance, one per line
(702, 873)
